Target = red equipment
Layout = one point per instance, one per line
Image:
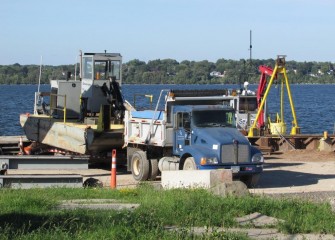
(265, 71)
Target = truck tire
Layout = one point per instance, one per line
(153, 169)
(189, 164)
(250, 180)
(140, 166)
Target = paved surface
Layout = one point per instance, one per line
(297, 172)
(286, 176)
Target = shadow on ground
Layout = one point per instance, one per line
(279, 164)
(282, 178)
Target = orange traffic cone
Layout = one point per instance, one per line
(113, 170)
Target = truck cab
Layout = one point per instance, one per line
(205, 137)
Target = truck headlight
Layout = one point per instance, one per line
(212, 160)
(258, 157)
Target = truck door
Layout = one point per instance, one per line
(182, 132)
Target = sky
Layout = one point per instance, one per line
(160, 29)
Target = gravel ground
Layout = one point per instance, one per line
(306, 174)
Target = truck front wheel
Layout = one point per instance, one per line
(189, 164)
(140, 166)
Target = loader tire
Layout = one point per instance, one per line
(140, 166)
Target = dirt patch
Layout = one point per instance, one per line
(302, 156)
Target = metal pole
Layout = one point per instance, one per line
(250, 46)
(21, 146)
(39, 78)
(282, 102)
(295, 128)
(75, 69)
(37, 95)
(64, 109)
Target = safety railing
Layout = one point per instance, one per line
(53, 105)
(150, 96)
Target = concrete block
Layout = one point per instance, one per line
(195, 178)
(325, 145)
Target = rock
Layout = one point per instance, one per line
(234, 188)
(92, 182)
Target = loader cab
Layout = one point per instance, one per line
(99, 71)
(101, 66)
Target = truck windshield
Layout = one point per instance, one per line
(213, 118)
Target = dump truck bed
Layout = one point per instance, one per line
(147, 127)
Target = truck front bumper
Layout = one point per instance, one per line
(238, 170)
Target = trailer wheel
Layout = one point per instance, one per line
(153, 169)
(251, 180)
(189, 164)
(140, 166)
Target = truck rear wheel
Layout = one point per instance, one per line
(140, 166)
(189, 164)
(153, 169)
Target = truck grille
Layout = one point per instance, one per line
(228, 154)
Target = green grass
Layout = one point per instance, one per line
(33, 214)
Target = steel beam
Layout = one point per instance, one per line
(40, 181)
(40, 162)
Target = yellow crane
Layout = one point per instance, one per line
(279, 126)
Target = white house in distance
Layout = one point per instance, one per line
(217, 74)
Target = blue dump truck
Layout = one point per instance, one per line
(196, 130)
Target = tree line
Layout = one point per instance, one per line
(169, 71)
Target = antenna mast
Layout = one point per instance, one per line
(250, 49)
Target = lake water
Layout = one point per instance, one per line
(314, 104)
